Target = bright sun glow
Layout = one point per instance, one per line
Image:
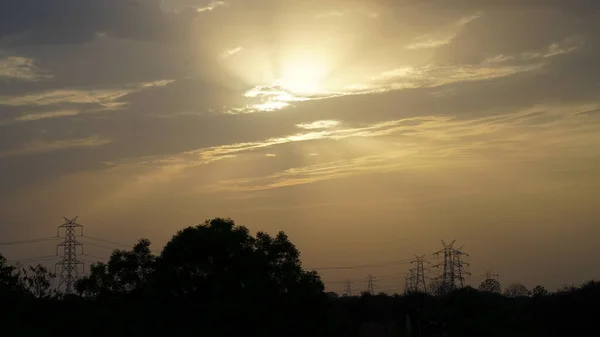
(303, 63)
(305, 74)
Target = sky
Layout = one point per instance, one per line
(368, 131)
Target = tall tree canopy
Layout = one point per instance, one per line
(220, 270)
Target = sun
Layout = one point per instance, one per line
(305, 74)
(309, 58)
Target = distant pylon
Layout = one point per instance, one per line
(348, 288)
(489, 276)
(460, 266)
(69, 266)
(370, 284)
(453, 272)
(418, 275)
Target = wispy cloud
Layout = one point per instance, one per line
(330, 14)
(429, 42)
(443, 37)
(43, 115)
(433, 76)
(324, 124)
(532, 134)
(107, 98)
(231, 52)
(564, 47)
(211, 6)
(42, 146)
(21, 68)
(267, 98)
(442, 129)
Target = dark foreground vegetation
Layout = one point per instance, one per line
(216, 279)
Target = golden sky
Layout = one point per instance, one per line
(367, 130)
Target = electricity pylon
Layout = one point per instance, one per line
(370, 284)
(489, 276)
(453, 271)
(348, 288)
(417, 275)
(69, 265)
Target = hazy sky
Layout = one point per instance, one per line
(367, 130)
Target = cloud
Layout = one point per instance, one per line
(434, 142)
(106, 98)
(324, 124)
(27, 22)
(21, 68)
(44, 115)
(578, 6)
(37, 147)
(530, 31)
(211, 6)
(231, 52)
(424, 141)
(444, 36)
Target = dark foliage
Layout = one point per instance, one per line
(216, 279)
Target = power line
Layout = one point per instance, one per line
(99, 246)
(107, 241)
(95, 257)
(377, 265)
(35, 259)
(21, 242)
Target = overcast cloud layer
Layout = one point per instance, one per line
(367, 130)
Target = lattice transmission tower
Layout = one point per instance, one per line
(489, 276)
(417, 275)
(370, 284)
(408, 282)
(453, 267)
(69, 265)
(348, 288)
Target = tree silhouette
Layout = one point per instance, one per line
(221, 260)
(217, 279)
(37, 280)
(539, 291)
(125, 272)
(9, 278)
(490, 285)
(219, 274)
(516, 290)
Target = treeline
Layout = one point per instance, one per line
(216, 279)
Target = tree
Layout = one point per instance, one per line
(9, 279)
(490, 285)
(516, 290)
(37, 280)
(539, 291)
(436, 288)
(126, 272)
(219, 259)
(241, 284)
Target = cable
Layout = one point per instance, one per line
(107, 241)
(20, 242)
(359, 280)
(35, 259)
(100, 246)
(112, 248)
(95, 257)
(383, 264)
